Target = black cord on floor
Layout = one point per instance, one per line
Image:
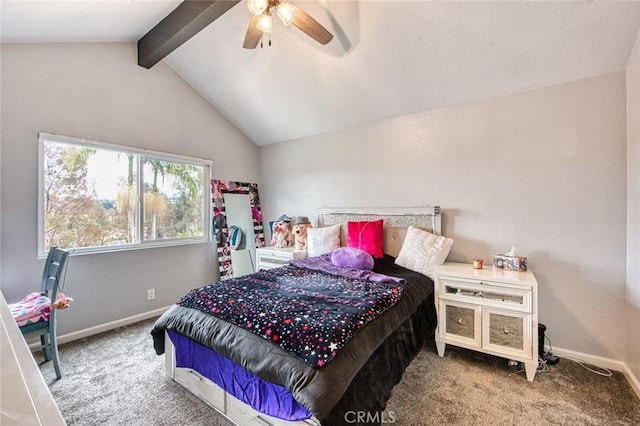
(543, 364)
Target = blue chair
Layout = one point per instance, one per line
(34, 314)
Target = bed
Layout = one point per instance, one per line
(253, 376)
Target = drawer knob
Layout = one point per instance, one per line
(459, 320)
(505, 330)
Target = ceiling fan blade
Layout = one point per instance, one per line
(253, 35)
(305, 23)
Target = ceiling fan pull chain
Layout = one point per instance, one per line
(269, 39)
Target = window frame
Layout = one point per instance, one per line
(140, 153)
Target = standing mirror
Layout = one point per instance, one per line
(236, 208)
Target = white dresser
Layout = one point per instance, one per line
(272, 257)
(488, 310)
(25, 398)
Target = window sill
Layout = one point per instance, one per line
(80, 251)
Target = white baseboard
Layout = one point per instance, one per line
(633, 380)
(80, 334)
(598, 361)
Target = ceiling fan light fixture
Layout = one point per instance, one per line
(264, 23)
(256, 7)
(286, 12)
(261, 23)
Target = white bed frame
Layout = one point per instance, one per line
(223, 402)
(396, 221)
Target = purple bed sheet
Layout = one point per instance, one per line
(267, 398)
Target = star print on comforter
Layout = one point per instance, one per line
(311, 314)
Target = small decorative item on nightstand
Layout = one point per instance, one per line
(488, 310)
(477, 263)
(509, 261)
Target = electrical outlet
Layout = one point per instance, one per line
(151, 294)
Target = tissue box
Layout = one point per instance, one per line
(510, 263)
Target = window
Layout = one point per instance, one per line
(97, 197)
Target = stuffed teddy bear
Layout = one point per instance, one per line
(300, 232)
(282, 235)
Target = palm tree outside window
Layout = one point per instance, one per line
(102, 197)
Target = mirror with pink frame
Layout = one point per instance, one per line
(236, 205)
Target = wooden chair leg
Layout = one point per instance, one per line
(44, 341)
(53, 345)
(55, 356)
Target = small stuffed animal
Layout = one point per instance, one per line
(300, 232)
(62, 302)
(282, 234)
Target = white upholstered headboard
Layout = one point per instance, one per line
(395, 220)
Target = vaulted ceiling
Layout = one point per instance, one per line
(387, 59)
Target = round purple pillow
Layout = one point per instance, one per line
(349, 257)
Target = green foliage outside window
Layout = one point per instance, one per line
(91, 197)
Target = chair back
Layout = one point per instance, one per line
(53, 269)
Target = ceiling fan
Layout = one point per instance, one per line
(261, 22)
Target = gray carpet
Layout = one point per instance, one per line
(115, 378)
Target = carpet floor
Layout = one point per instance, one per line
(115, 378)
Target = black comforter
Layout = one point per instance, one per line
(361, 375)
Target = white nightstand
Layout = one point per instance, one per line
(488, 310)
(272, 257)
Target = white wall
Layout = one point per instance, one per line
(542, 170)
(97, 91)
(633, 211)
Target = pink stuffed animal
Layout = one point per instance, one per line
(62, 302)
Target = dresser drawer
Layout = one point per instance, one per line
(201, 387)
(242, 414)
(486, 293)
(460, 322)
(268, 262)
(507, 332)
(272, 257)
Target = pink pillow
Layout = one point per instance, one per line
(366, 236)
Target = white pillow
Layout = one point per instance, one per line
(423, 251)
(322, 240)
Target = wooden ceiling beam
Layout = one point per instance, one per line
(185, 21)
